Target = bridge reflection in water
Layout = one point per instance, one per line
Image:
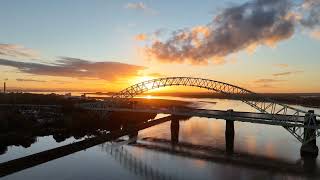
(136, 165)
(123, 152)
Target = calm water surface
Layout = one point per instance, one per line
(200, 153)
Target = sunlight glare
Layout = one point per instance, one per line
(148, 97)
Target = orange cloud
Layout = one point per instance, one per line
(315, 34)
(281, 65)
(141, 37)
(232, 30)
(77, 68)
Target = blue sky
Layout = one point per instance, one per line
(85, 29)
(103, 31)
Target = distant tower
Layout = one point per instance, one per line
(4, 87)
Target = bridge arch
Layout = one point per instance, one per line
(261, 103)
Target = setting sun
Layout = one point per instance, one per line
(148, 97)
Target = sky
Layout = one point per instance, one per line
(107, 45)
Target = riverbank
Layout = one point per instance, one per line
(303, 99)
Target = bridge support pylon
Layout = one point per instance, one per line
(309, 148)
(175, 126)
(229, 133)
(133, 137)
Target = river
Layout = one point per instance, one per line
(260, 152)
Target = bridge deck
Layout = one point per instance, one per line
(261, 118)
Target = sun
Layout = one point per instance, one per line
(141, 79)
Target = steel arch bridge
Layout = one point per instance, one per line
(261, 103)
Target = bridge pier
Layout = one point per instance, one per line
(229, 133)
(309, 148)
(133, 137)
(175, 126)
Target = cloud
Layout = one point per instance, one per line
(30, 80)
(268, 80)
(150, 36)
(286, 73)
(140, 6)
(17, 51)
(315, 34)
(61, 82)
(236, 28)
(281, 65)
(311, 13)
(159, 32)
(156, 75)
(141, 37)
(77, 68)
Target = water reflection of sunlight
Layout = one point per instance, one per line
(202, 131)
(199, 163)
(270, 149)
(251, 144)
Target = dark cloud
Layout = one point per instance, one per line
(286, 73)
(29, 80)
(17, 51)
(234, 29)
(244, 26)
(311, 13)
(77, 68)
